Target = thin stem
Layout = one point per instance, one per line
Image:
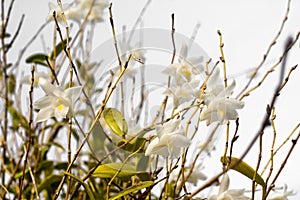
(294, 142)
(5, 76)
(247, 93)
(234, 138)
(101, 109)
(9, 13)
(52, 70)
(273, 42)
(15, 35)
(139, 20)
(69, 137)
(273, 116)
(114, 35)
(283, 143)
(257, 165)
(264, 124)
(12, 176)
(27, 45)
(226, 143)
(121, 167)
(173, 39)
(222, 58)
(30, 135)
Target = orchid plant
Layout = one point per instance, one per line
(133, 131)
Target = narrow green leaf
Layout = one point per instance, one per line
(98, 138)
(38, 58)
(86, 186)
(133, 146)
(17, 119)
(133, 189)
(49, 181)
(142, 162)
(246, 170)
(59, 47)
(11, 84)
(110, 169)
(20, 174)
(124, 171)
(115, 121)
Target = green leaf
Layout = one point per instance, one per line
(38, 58)
(133, 146)
(115, 121)
(246, 170)
(11, 84)
(59, 47)
(86, 186)
(18, 120)
(124, 171)
(133, 189)
(142, 162)
(49, 181)
(20, 174)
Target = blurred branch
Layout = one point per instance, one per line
(273, 42)
(16, 34)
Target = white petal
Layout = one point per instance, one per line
(44, 102)
(277, 197)
(230, 115)
(210, 115)
(234, 104)
(61, 111)
(47, 86)
(230, 88)
(237, 192)
(151, 145)
(73, 93)
(183, 51)
(171, 69)
(214, 79)
(45, 114)
(174, 151)
(180, 140)
(155, 147)
(224, 183)
(51, 6)
(213, 197)
(168, 127)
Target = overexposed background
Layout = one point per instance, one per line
(248, 27)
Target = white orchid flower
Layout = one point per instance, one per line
(221, 110)
(196, 175)
(71, 13)
(282, 196)
(169, 141)
(219, 106)
(184, 93)
(225, 194)
(57, 102)
(186, 69)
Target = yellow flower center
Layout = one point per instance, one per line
(60, 104)
(60, 107)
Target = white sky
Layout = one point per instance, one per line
(247, 27)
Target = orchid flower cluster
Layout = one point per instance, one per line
(78, 10)
(132, 133)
